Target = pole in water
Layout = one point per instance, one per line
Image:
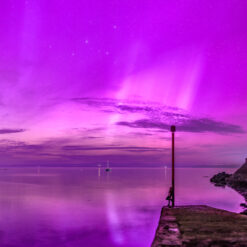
(173, 130)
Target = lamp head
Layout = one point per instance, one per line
(173, 128)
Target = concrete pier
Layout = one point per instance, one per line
(200, 226)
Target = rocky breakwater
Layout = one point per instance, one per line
(237, 180)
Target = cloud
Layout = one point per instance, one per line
(11, 131)
(95, 102)
(209, 125)
(61, 152)
(144, 123)
(134, 109)
(105, 148)
(119, 105)
(188, 125)
(160, 117)
(152, 110)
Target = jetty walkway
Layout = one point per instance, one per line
(200, 226)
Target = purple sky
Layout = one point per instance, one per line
(83, 82)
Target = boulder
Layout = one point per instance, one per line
(220, 179)
(239, 179)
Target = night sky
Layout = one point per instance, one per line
(83, 82)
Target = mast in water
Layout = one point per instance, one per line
(108, 169)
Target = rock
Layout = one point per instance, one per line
(244, 212)
(242, 171)
(237, 181)
(220, 179)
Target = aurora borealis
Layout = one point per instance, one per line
(83, 82)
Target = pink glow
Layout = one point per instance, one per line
(82, 82)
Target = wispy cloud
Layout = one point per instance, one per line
(11, 131)
(56, 152)
(118, 148)
(132, 121)
(123, 106)
(188, 125)
(61, 152)
(160, 117)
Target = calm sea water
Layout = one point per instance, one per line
(81, 207)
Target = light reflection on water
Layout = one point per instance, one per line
(75, 207)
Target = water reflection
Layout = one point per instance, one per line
(91, 207)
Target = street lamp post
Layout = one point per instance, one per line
(173, 130)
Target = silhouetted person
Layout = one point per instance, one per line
(169, 198)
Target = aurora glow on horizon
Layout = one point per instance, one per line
(83, 82)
